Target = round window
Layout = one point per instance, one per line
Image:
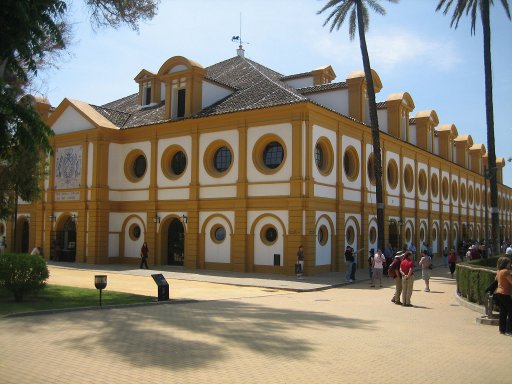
(218, 233)
(134, 232)
(174, 162)
(463, 193)
(139, 166)
(477, 196)
(434, 185)
(135, 166)
(392, 174)
(319, 156)
(323, 235)
(273, 155)
(455, 193)
(422, 182)
(222, 159)
(218, 158)
(178, 163)
(408, 178)
(471, 194)
(351, 163)
(269, 154)
(269, 234)
(324, 156)
(445, 188)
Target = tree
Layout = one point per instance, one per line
(471, 7)
(359, 18)
(32, 31)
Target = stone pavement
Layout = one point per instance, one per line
(213, 332)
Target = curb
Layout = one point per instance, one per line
(484, 319)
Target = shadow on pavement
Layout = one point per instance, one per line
(147, 336)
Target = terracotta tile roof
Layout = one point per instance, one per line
(254, 87)
(381, 105)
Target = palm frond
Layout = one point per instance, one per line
(373, 4)
(352, 24)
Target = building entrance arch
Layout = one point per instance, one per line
(63, 241)
(175, 243)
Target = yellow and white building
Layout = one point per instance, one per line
(233, 166)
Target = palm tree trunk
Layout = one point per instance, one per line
(375, 125)
(486, 24)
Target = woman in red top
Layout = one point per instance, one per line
(502, 295)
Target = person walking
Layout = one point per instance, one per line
(502, 295)
(445, 257)
(452, 260)
(144, 253)
(407, 273)
(394, 272)
(378, 267)
(300, 262)
(371, 255)
(425, 264)
(349, 260)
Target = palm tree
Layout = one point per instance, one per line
(471, 7)
(358, 10)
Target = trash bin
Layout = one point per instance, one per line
(163, 286)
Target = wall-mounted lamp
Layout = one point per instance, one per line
(400, 222)
(184, 219)
(27, 217)
(74, 217)
(52, 217)
(156, 219)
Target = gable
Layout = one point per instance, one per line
(70, 121)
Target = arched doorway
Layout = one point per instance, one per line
(394, 235)
(25, 234)
(63, 242)
(175, 243)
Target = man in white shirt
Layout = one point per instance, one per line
(378, 263)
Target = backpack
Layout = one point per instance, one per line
(392, 269)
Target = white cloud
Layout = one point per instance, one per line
(389, 52)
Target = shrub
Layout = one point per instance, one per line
(474, 277)
(22, 273)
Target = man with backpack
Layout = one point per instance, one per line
(393, 272)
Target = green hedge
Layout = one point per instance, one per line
(21, 273)
(474, 277)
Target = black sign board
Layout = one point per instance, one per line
(163, 286)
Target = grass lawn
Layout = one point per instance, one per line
(59, 297)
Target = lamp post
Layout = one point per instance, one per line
(100, 282)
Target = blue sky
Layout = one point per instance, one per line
(412, 48)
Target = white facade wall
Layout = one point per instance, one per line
(336, 100)
(213, 93)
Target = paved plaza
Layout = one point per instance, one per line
(232, 328)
